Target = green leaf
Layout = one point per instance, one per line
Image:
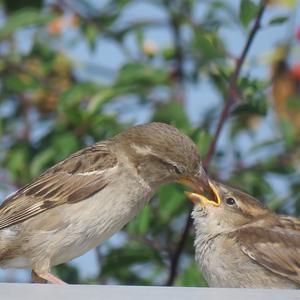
(23, 18)
(203, 140)
(252, 182)
(17, 162)
(141, 75)
(140, 38)
(209, 44)
(293, 103)
(41, 161)
(191, 276)
(67, 273)
(289, 133)
(168, 53)
(101, 98)
(143, 220)
(171, 113)
(124, 257)
(278, 20)
(74, 95)
(254, 107)
(91, 34)
(11, 6)
(171, 201)
(18, 82)
(64, 144)
(248, 11)
(140, 224)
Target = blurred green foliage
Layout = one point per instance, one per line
(48, 110)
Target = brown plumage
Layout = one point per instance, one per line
(63, 183)
(241, 243)
(84, 199)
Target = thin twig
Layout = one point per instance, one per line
(177, 73)
(99, 257)
(180, 246)
(229, 101)
(25, 135)
(155, 245)
(232, 94)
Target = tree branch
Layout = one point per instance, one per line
(232, 94)
(177, 254)
(155, 245)
(177, 74)
(229, 101)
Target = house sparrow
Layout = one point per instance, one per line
(242, 244)
(81, 201)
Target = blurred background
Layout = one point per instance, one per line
(75, 72)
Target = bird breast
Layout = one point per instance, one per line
(67, 231)
(108, 211)
(223, 264)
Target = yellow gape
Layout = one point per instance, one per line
(196, 198)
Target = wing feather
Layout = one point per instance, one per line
(276, 248)
(74, 179)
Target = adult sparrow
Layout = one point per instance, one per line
(240, 243)
(84, 199)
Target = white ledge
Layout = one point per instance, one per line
(18, 291)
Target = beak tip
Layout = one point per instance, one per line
(192, 197)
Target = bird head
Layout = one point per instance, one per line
(226, 210)
(161, 154)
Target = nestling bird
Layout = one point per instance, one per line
(84, 199)
(242, 244)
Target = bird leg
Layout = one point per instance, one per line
(38, 277)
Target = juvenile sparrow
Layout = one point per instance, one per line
(84, 199)
(242, 244)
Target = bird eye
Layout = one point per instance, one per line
(178, 170)
(230, 201)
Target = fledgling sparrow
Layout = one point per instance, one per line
(242, 244)
(81, 201)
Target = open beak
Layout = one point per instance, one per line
(211, 197)
(197, 184)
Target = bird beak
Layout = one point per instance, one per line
(213, 197)
(197, 182)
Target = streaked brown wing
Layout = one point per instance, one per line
(276, 248)
(74, 179)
